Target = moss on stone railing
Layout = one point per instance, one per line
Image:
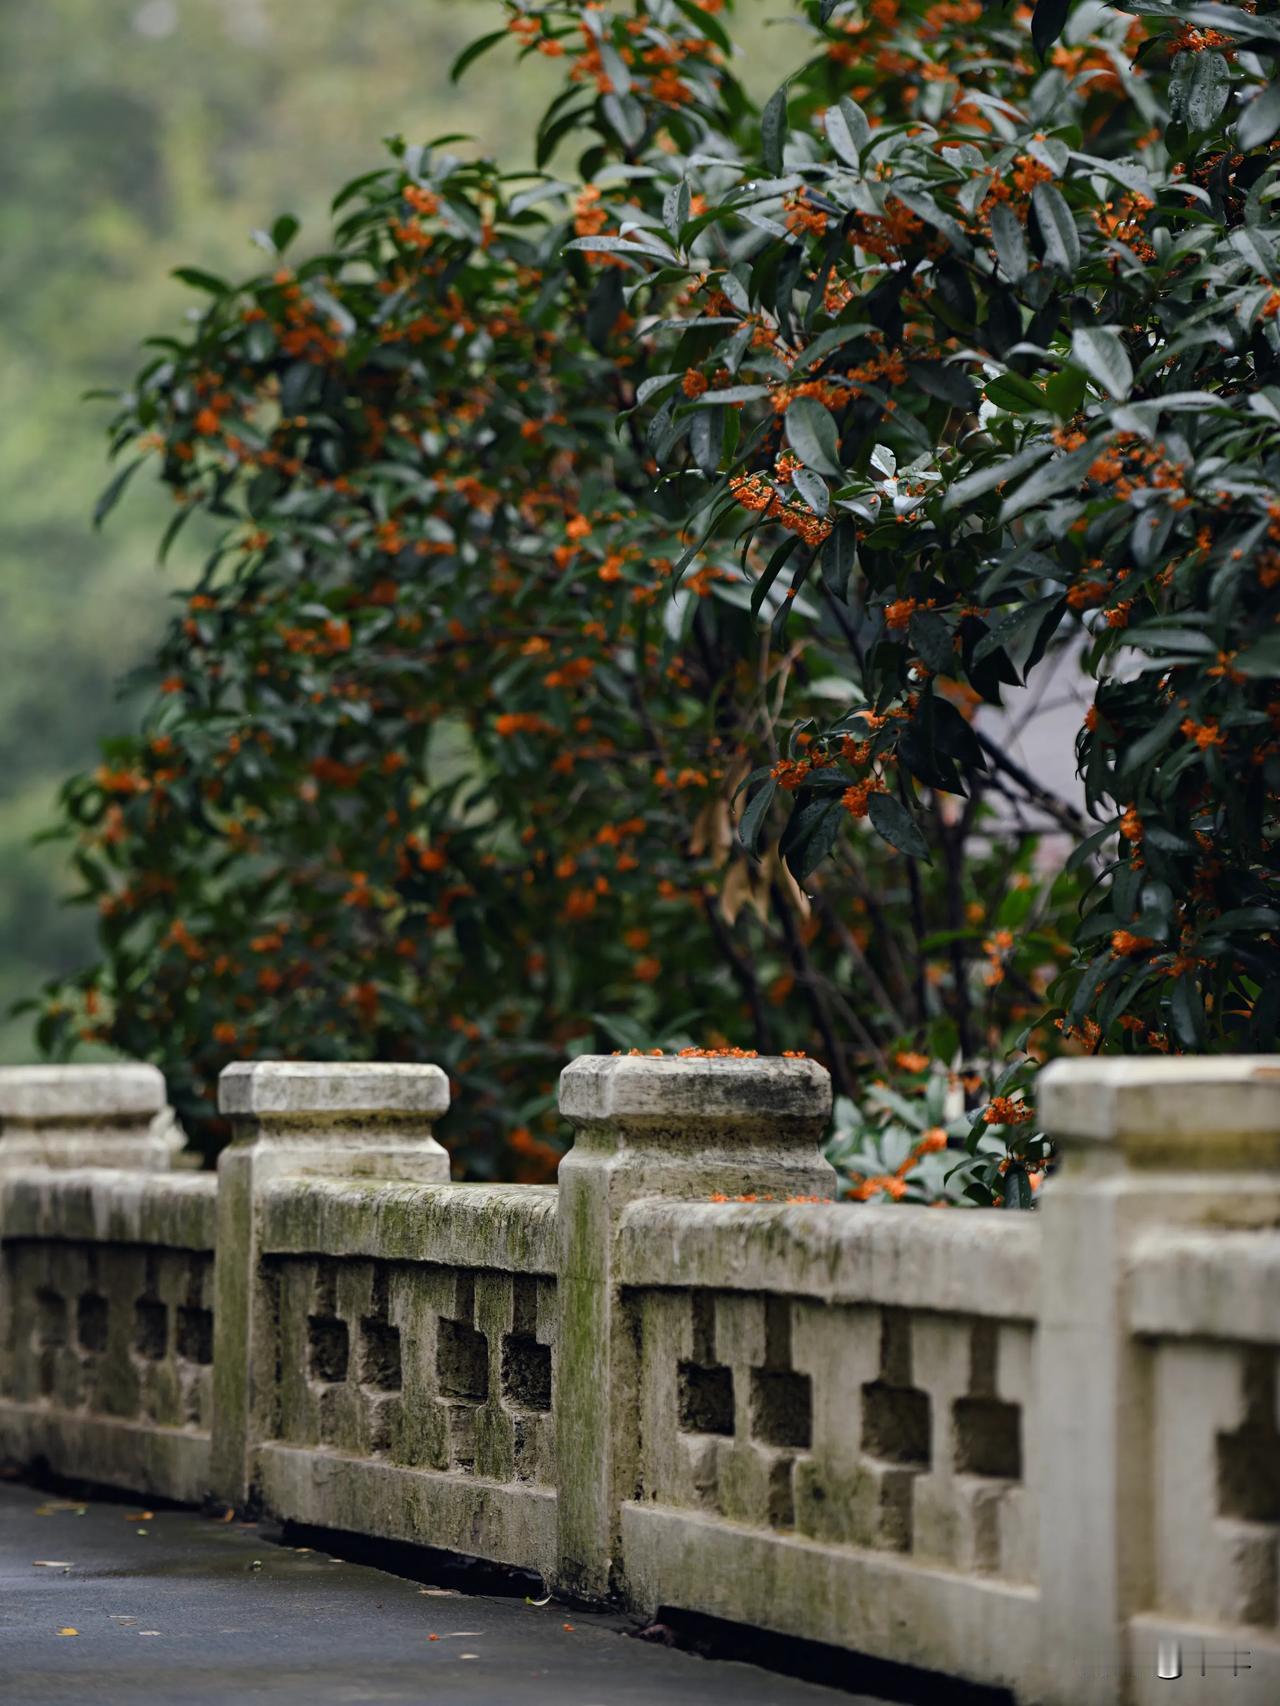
(1023, 1450)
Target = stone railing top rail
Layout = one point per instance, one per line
(507, 1227)
(974, 1261)
(110, 1205)
(1194, 1110)
(1207, 1283)
(725, 1095)
(32, 1095)
(298, 1089)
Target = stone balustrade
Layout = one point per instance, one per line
(1028, 1451)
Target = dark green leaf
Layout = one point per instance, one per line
(1013, 625)
(753, 819)
(1157, 639)
(1017, 1184)
(675, 209)
(1262, 658)
(995, 474)
(473, 50)
(1138, 754)
(773, 568)
(1057, 228)
(894, 823)
(706, 23)
(808, 849)
(114, 490)
(1207, 91)
(1186, 1009)
(1010, 243)
(843, 136)
(773, 131)
(813, 489)
(626, 118)
(1048, 480)
(1260, 120)
(811, 433)
(1104, 358)
(603, 308)
(1091, 844)
(932, 639)
(1047, 23)
(839, 556)
(940, 379)
(200, 280)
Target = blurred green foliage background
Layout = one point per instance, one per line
(141, 135)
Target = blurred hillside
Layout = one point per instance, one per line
(142, 135)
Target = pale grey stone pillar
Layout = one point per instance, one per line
(1145, 1142)
(651, 1127)
(86, 1116)
(356, 1120)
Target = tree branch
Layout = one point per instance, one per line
(742, 969)
(1049, 803)
(807, 979)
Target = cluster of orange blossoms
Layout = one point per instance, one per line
(728, 1052)
(894, 1185)
(1125, 942)
(754, 492)
(765, 1196)
(857, 798)
(1204, 735)
(1007, 1110)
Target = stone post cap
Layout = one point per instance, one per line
(88, 1095)
(343, 1090)
(1195, 1110)
(724, 1096)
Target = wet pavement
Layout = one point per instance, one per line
(117, 1605)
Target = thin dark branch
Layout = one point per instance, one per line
(743, 970)
(920, 930)
(879, 923)
(850, 944)
(807, 980)
(1049, 803)
(953, 838)
(843, 622)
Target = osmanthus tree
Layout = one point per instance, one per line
(448, 744)
(437, 762)
(981, 344)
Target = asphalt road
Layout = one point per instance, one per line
(107, 1604)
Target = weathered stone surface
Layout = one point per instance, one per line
(718, 1098)
(487, 1226)
(937, 1619)
(298, 1118)
(910, 1257)
(1016, 1448)
(647, 1127)
(111, 1206)
(84, 1116)
(137, 1457)
(1217, 1111)
(106, 1326)
(92, 1094)
(1189, 1283)
(484, 1519)
(425, 1367)
(1151, 1147)
(342, 1090)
